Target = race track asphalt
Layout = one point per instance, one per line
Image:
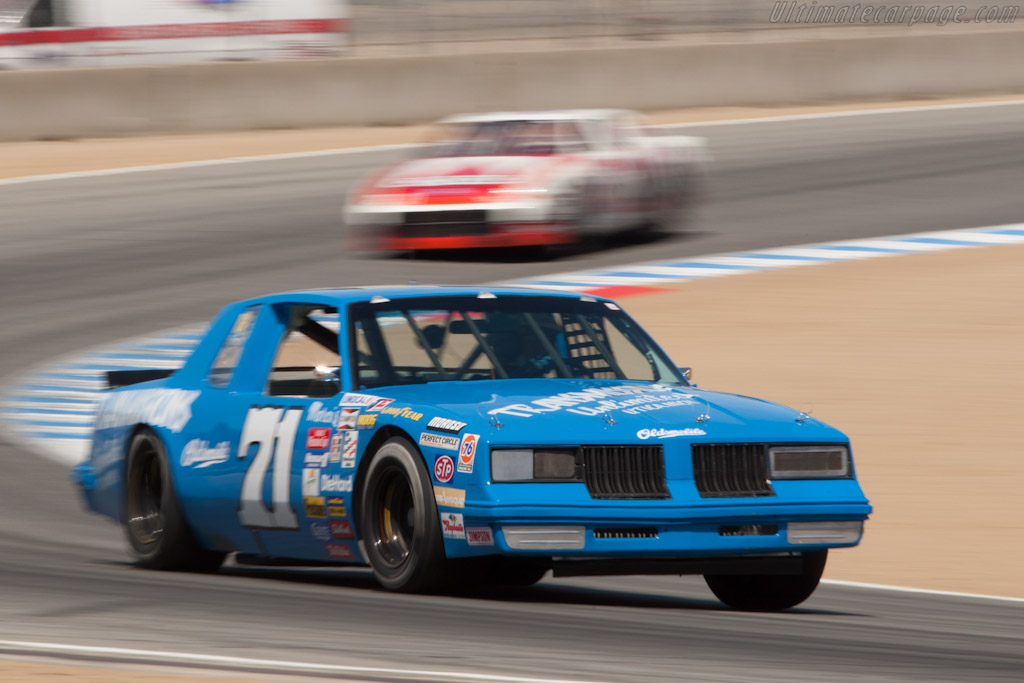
(92, 260)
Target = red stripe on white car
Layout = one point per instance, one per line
(99, 34)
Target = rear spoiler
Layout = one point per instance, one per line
(123, 378)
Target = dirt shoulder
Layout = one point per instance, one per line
(916, 358)
(17, 670)
(72, 156)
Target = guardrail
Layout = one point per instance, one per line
(411, 89)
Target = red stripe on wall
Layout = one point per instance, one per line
(42, 36)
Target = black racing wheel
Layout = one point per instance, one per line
(157, 532)
(399, 526)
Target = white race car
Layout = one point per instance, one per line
(527, 179)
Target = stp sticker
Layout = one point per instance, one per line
(444, 468)
(318, 438)
(479, 535)
(451, 525)
(467, 452)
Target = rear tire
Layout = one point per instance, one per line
(156, 530)
(398, 521)
(757, 592)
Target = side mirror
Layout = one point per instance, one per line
(688, 374)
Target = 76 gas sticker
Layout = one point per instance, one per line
(467, 452)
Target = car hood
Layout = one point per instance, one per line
(550, 411)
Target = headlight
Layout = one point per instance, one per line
(808, 462)
(534, 464)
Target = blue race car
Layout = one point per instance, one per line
(454, 435)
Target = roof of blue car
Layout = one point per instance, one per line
(345, 295)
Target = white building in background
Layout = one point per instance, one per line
(89, 33)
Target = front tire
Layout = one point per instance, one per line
(758, 592)
(156, 530)
(398, 521)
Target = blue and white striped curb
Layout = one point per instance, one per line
(52, 408)
(720, 265)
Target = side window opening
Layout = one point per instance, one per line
(223, 368)
(42, 15)
(307, 362)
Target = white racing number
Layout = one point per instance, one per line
(273, 430)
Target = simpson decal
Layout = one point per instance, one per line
(479, 535)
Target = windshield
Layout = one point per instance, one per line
(464, 338)
(510, 138)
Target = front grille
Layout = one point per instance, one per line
(444, 224)
(625, 472)
(749, 530)
(639, 532)
(731, 470)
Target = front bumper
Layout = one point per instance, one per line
(496, 236)
(676, 532)
(472, 226)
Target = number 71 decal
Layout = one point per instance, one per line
(273, 430)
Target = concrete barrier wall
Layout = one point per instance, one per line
(397, 90)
